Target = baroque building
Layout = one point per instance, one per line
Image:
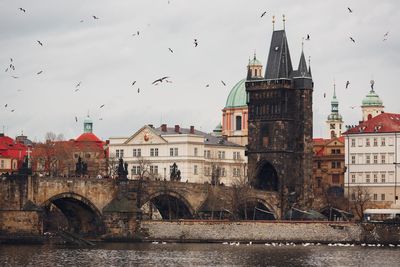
(280, 125)
(335, 120)
(200, 157)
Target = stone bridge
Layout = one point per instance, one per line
(113, 208)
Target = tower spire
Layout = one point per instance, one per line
(334, 89)
(283, 19)
(273, 23)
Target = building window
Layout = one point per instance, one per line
(207, 171)
(335, 151)
(375, 197)
(153, 152)
(353, 142)
(375, 177)
(368, 159)
(135, 170)
(154, 170)
(367, 178)
(335, 178)
(176, 151)
(335, 164)
(391, 141)
(2, 164)
(236, 155)
(375, 141)
(367, 142)
(353, 159)
(207, 154)
(383, 197)
(236, 172)
(353, 196)
(353, 178)
(195, 170)
(360, 143)
(76, 155)
(383, 178)
(87, 155)
(319, 164)
(196, 151)
(137, 152)
(375, 159)
(238, 123)
(223, 172)
(221, 154)
(117, 153)
(171, 152)
(383, 158)
(383, 141)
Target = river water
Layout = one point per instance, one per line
(170, 254)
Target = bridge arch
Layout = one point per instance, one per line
(168, 204)
(266, 177)
(81, 214)
(253, 208)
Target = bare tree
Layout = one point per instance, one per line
(360, 197)
(241, 191)
(50, 136)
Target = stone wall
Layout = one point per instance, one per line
(217, 231)
(15, 222)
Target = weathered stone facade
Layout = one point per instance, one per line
(280, 126)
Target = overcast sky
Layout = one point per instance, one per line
(103, 55)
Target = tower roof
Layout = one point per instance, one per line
(372, 100)
(279, 64)
(254, 61)
(237, 96)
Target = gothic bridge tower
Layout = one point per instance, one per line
(280, 126)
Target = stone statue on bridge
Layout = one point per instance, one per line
(122, 170)
(80, 167)
(175, 173)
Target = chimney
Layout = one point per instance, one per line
(163, 127)
(192, 129)
(177, 128)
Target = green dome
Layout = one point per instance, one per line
(254, 62)
(88, 120)
(372, 99)
(237, 96)
(218, 130)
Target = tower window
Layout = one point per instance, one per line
(238, 123)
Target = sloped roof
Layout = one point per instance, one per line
(88, 137)
(279, 64)
(383, 123)
(237, 96)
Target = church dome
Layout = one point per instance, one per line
(372, 100)
(255, 62)
(237, 96)
(88, 120)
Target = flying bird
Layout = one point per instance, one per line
(77, 85)
(133, 83)
(170, 50)
(347, 84)
(41, 44)
(11, 59)
(308, 37)
(22, 9)
(353, 107)
(350, 10)
(195, 43)
(262, 15)
(102, 106)
(6, 70)
(15, 77)
(160, 80)
(100, 119)
(81, 21)
(134, 34)
(95, 17)
(12, 110)
(138, 90)
(5, 105)
(324, 95)
(77, 89)
(40, 72)
(76, 119)
(352, 39)
(223, 83)
(207, 85)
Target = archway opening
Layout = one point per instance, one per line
(74, 214)
(166, 207)
(255, 210)
(267, 178)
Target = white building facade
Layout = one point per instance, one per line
(197, 155)
(372, 154)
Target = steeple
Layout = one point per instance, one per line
(335, 120)
(302, 65)
(371, 105)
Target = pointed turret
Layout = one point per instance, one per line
(302, 65)
(335, 120)
(279, 64)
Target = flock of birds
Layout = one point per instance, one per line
(304, 244)
(11, 67)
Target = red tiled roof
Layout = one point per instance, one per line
(88, 137)
(383, 123)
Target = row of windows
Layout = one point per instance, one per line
(371, 177)
(174, 152)
(371, 158)
(373, 197)
(334, 164)
(367, 142)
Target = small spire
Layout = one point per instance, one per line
(255, 55)
(309, 65)
(273, 23)
(334, 88)
(302, 44)
(284, 19)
